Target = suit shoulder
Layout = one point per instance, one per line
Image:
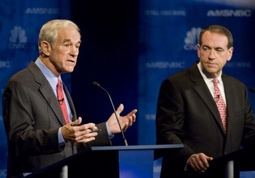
(182, 77)
(24, 77)
(232, 80)
(24, 74)
(20, 76)
(177, 75)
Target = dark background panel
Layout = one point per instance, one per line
(109, 56)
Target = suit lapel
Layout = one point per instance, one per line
(229, 99)
(46, 91)
(70, 101)
(206, 97)
(202, 90)
(51, 99)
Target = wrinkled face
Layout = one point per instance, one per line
(64, 52)
(213, 53)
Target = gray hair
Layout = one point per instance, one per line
(49, 31)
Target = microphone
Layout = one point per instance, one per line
(123, 136)
(217, 97)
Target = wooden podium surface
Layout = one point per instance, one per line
(107, 161)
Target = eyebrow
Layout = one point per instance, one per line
(213, 48)
(68, 40)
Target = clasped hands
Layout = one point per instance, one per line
(74, 132)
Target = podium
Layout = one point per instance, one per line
(108, 161)
(235, 162)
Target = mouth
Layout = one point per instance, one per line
(210, 64)
(71, 61)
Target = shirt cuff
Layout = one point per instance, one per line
(109, 132)
(61, 140)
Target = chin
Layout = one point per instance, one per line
(70, 69)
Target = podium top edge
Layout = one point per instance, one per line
(137, 147)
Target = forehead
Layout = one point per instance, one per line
(214, 39)
(68, 33)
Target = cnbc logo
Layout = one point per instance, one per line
(17, 39)
(192, 38)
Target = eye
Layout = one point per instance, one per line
(219, 50)
(205, 48)
(67, 44)
(77, 46)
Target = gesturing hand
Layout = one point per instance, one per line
(125, 121)
(74, 132)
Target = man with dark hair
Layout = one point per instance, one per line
(204, 109)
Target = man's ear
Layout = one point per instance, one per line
(46, 48)
(198, 50)
(230, 53)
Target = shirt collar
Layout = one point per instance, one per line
(50, 76)
(206, 79)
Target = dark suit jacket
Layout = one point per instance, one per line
(32, 117)
(187, 114)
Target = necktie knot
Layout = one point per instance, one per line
(215, 81)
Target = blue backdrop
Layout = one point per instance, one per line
(20, 22)
(168, 35)
(129, 47)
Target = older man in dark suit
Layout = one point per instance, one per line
(38, 134)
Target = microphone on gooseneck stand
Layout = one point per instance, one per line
(123, 136)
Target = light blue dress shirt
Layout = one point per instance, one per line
(53, 80)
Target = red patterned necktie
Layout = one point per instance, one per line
(61, 100)
(220, 104)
